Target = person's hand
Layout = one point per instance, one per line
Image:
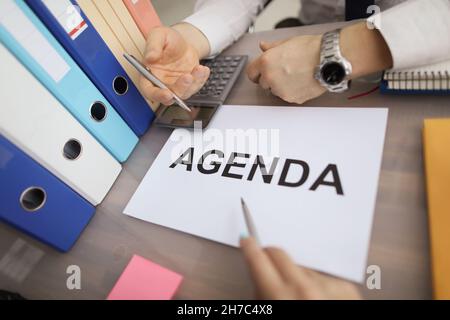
(175, 62)
(276, 277)
(286, 68)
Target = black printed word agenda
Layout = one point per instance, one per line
(234, 169)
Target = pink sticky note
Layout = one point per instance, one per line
(145, 280)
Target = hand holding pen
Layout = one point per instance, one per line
(277, 277)
(175, 61)
(148, 75)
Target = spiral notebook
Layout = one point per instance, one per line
(432, 79)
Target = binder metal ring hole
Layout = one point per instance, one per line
(120, 85)
(33, 199)
(98, 111)
(72, 149)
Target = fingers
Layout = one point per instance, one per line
(182, 85)
(201, 75)
(188, 84)
(254, 70)
(264, 273)
(264, 45)
(264, 83)
(185, 86)
(151, 92)
(263, 65)
(286, 267)
(258, 72)
(155, 45)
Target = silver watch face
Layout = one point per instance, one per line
(333, 73)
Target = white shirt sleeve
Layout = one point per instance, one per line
(417, 32)
(224, 21)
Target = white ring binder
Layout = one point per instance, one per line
(72, 149)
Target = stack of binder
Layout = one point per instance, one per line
(96, 59)
(70, 114)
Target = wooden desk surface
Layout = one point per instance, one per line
(213, 271)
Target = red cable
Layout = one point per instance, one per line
(364, 93)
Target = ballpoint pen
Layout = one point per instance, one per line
(153, 79)
(249, 221)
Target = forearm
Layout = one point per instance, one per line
(366, 49)
(416, 31)
(194, 37)
(412, 34)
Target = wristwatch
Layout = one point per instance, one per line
(334, 70)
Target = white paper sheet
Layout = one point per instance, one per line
(321, 229)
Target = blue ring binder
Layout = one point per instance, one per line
(58, 219)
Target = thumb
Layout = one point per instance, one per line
(155, 45)
(264, 45)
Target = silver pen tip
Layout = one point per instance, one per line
(185, 107)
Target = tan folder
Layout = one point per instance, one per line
(117, 47)
(116, 26)
(129, 24)
(436, 135)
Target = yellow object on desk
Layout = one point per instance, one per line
(436, 135)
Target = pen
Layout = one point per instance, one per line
(153, 79)
(249, 221)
